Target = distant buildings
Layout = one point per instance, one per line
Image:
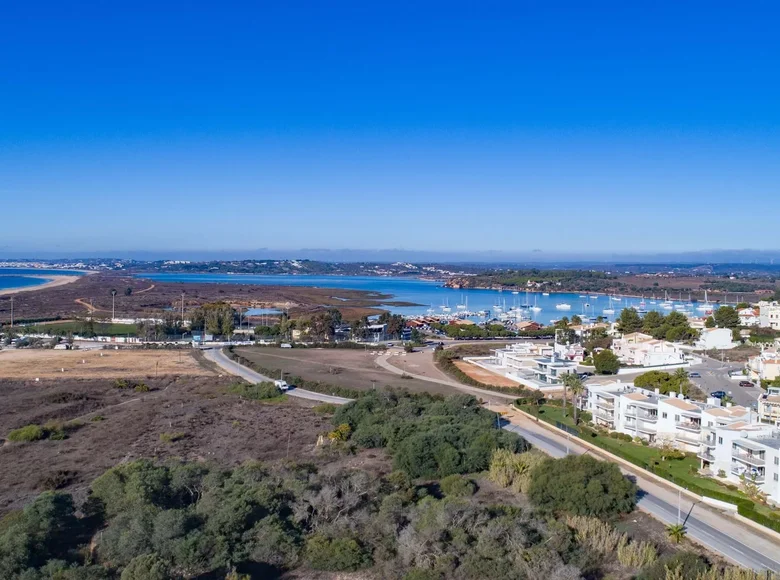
(638, 349)
(749, 316)
(764, 366)
(769, 406)
(769, 314)
(529, 364)
(715, 338)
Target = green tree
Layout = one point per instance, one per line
(652, 321)
(742, 306)
(726, 317)
(606, 362)
(629, 321)
(337, 554)
(573, 384)
(576, 320)
(710, 322)
(146, 567)
(582, 485)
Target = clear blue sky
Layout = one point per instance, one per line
(600, 126)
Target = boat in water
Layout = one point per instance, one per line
(609, 310)
(706, 306)
(563, 306)
(545, 293)
(536, 307)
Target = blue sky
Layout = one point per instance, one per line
(561, 126)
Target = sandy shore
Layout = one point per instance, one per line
(53, 281)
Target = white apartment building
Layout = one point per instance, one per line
(520, 355)
(743, 449)
(657, 418)
(718, 338)
(638, 349)
(769, 406)
(749, 317)
(769, 314)
(764, 366)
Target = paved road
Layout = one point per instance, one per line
(717, 532)
(217, 356)
(710, 528)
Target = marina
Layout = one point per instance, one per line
(433, 299)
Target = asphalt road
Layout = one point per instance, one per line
(217, 356)
(718, 534)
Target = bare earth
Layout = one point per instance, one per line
(110, 364)
(53, 282)
(119, 425)
(354, 369)
(484, 375)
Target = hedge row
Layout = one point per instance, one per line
(745, 507)
(444, 360)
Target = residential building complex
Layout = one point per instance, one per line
(715, 338)
(769, 406)
(769, 314)
(638, 349)
(764, 366)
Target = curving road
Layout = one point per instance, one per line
(717, 532)
(216, 356)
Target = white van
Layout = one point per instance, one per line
(281, 385)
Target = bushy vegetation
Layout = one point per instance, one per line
(674, 326)
(606, 362)
(257, 392)
(54, 430)
(428, 435)
(581, 485)
(665, 382)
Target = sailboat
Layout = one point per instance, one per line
(446, 307)
(667, 304)
(609, 310)
(526, 304)
(642, 306)
(706, 306)
(462, 305)
(535, 307)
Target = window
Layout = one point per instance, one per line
(720, 440)
(777, 460)
(775, 477)
(677, 418)
(663, 415)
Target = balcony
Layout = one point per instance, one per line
(749, 459)
(603, 403)
(706, 456)
(689, 426)
(689, 438)
(759, 477)
(604, 415)
(709, 443)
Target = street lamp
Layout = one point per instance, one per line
(113, 312)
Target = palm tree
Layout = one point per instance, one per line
(676, 532)
(577, 389)
(573, 383)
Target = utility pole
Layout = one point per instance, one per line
(679, 499)
(182, 309)
(12, 311)
(113, 311)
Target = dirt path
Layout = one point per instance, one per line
(87, 305)
(145, 290)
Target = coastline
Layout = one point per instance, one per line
(52, 282)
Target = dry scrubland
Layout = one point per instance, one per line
(186, 412)
(97, 364)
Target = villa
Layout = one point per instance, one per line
(638, 349)
(769, 406)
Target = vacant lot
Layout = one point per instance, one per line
(196, 416)
(354, 369)
(97, 364)
(484, 375)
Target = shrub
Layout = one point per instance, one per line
(594, 534)
(457, 486)
(141, 388)
(258, 392)
(172, 437)
(325, 409)
(514, 470)
(582, 485)
(336, 555)
(121, 384)
(636, 554)
(27, 433)
(606, 362)
(146, 567)
(685, 564)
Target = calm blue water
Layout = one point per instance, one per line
(25, 277)
(433, 296)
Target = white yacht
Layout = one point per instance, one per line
(536, 307)
(563, 306)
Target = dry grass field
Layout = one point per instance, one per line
(97, 364)
(484, 375)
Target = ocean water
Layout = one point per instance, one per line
(11, 278)
(432, 296)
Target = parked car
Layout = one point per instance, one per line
(746, 384)
(718, 394)
(694, 376)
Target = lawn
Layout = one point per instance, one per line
(680, 471)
